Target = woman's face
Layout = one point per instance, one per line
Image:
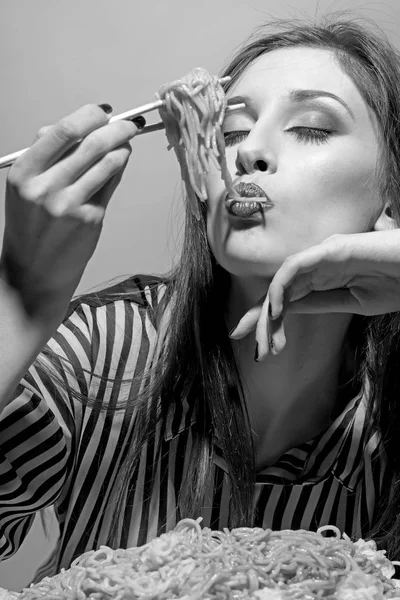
(310, 141)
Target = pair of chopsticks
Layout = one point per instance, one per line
(9, 159)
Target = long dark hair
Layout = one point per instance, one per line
(197, 364)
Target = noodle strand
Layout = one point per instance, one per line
(193, 113)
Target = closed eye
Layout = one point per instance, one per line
(235, 137)
(311, 134)
(304, 134)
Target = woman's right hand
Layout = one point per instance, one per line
(56, 198)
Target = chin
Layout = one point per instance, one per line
(245, 266)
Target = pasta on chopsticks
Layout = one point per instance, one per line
(193, 112)
(191, 563)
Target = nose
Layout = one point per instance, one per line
(253, 155)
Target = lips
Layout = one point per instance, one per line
(258, 200)
(250, 190)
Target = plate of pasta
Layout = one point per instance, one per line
(192, 562)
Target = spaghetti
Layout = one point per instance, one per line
(190, 563)
(193, 112)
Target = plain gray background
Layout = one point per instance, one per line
(57, 56)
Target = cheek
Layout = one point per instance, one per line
(318, 191)
(342, 189)
(352, 180)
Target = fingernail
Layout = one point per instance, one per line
(139, 121)
(107, 108)
(232, 331)
(256, 354)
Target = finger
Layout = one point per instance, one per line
(284, 279)
(332, 301)
(247, 323)
(104, 195)
(41, 132)
(93, 212)
(262, 333)
(301, 286)
(302, 263)
(91, 150)
(92, 183)
(66, 133)
(277, 336)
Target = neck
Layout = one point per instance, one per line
(293, 396)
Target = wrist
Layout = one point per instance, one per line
(37, 309)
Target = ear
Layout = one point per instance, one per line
(385, 219)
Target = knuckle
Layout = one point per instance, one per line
(115, 160)
(90, 215)
(54, 210)
(93, 145)
(14, 177)
(57, 209)
(333, 238)
(31, 191)
(66, 131)
(337, 248)
(290, 260)
(42, 131)
(111, 161)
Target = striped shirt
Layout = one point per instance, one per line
(57, 451)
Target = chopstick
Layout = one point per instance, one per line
(160, 125)
(9, 159)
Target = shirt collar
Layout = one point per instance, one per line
(336, 450)
(326, 453)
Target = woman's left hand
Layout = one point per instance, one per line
(346, 273)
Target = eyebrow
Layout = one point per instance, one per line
(296, 96)
(304, 95)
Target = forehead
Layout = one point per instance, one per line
(300, 67)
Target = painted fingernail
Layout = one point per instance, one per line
(107, 108)
(139, 121)
(256, 354)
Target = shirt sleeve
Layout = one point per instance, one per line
(38, 429)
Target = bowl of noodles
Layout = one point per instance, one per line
(191, 562)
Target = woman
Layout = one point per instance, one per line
(141, 409)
